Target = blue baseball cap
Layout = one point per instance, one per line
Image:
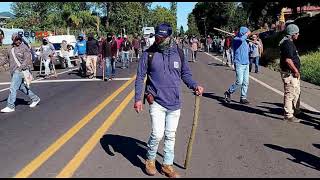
(163, 30)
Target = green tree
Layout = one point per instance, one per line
(192, 26)
(163, 15)
(181, 32)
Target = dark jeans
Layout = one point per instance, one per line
(254, 60)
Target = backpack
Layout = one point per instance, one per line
(149, 62)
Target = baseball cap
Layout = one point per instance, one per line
(163, 30)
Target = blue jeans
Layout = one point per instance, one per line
(242, 75)
(125, 59)
(186, 54)
(110, 67)
(163, 122)
(18, 84)
(254, 60)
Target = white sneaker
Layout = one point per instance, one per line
(7, 109)
(33, 104)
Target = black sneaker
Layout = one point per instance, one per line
(292, 119)
(227, 97)
(244, 101)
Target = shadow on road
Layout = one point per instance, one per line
(316, 145)
(130, 148)
(300, 157)
(244, 108)
(304, 115)
(19, 101)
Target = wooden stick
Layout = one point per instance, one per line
(217, 29)
(193, 131)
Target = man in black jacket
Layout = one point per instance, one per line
(92, 56)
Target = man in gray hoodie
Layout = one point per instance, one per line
(23, 55)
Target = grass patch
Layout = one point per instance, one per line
(310, 67)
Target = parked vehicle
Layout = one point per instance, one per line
(58, 58)
(148, 34)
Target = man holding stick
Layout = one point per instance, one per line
(165, 66)
(241, 62)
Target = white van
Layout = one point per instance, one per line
(56, 42)
(146, 34)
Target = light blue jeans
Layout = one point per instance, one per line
(163, 122)
(242, 79)
(18, 84)
(110, 67)
(186, 54)
(125, 59)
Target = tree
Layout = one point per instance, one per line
(173, 9)
(163, 15)
(181, 31)
(192, 26)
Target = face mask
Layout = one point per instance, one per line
(109, 39)
(81, 38)
(45, 42)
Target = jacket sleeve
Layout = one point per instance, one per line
(186, 74)
(141, 73)
(27, 59)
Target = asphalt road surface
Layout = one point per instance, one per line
(90, 129)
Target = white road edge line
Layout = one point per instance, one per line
(69, 80)
(310, 108)
(2, 90)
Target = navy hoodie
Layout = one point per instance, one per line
(166, 72)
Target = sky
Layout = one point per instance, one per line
(183, 10)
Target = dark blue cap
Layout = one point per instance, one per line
(163, 30)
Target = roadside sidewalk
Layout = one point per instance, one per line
(310, 93)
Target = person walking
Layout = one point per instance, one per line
(109, 55)
(65, 50)
(136, 46)
(255, 51)
(125, 48)
(194, 48)
(92, 52)
(241, 60)
(47, 52)
(185, 47)
(209, 43)
(81, 49)
(290, 73)
(165, 69)
(18, 53)
(228, 50)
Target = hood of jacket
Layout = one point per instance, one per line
(243, 30)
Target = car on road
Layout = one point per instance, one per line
(56, 42)
(148, 34)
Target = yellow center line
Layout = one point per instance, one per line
(45, 155)
(77, 160)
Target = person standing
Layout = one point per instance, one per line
(241, 60)
(65, 50)
(194, 48)
(163, 93)
(255, 51)
(290, 73)
(209, 43)
(136, 46)
(81, 49)
(92, 52)
(228, 50)
(47, 51)
(109, 55)
(21, 53)
(125, 48)
(185, 47)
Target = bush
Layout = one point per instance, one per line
(310, 67)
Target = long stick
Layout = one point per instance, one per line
(231, 34)
(193, 131)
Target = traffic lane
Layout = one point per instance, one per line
(231, 141)
(30, 131)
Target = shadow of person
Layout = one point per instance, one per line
(300, 157)
(239, 107)
(19, 101)
(130, 148)
(316, 145)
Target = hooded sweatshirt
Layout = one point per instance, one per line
(166, 72)
(241, 47)
(81, 47)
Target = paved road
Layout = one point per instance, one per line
(89, 129)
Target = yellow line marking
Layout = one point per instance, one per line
(76, 161)
(45, 155)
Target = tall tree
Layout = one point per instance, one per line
(192, 25)
(173, 9)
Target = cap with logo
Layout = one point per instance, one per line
(163, 30)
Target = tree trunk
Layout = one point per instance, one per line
(109, 6)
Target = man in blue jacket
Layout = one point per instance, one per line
(165, 67)
(81, 48)
(241, 62)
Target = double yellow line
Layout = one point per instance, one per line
(91, 143)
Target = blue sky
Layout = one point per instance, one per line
(184, 8)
